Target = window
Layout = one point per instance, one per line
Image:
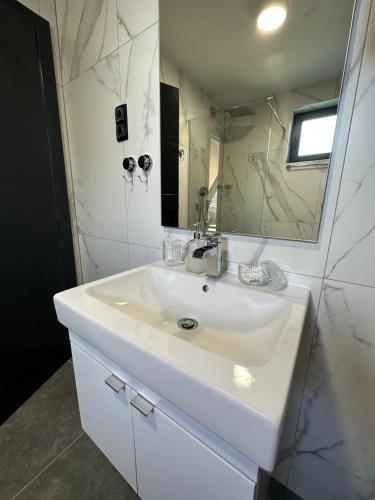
(312, 134)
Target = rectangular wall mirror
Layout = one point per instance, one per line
(248, 112)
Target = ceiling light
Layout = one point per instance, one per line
(272, 16)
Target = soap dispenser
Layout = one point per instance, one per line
(192, 264)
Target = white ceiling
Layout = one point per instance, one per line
(216, 42)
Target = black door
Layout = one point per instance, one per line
(36, 252)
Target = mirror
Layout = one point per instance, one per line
(248, 112)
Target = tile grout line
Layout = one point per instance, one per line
(342, 175)
(325, 278)
(126, 225)
(119, 241)
(314, 327)
(50, 463)
(354, 283)
(68, 160)
(110, 53)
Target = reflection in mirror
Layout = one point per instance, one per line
(248, 117)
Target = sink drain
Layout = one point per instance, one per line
(187, 323)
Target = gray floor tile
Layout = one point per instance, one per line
(82, 472)
(39, 431)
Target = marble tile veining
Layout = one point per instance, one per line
(102, 257)
(290, 196)
(135, 17)
(241, 195)
(281, 471)
(232, 192)
(289, 201)
(139, 63)
(352, 251)
(96, 157)
(87, 33)
(335, 446)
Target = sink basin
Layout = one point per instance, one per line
(231, 372)
(236, 323)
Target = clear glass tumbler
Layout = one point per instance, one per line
(174, 252)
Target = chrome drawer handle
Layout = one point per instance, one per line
(142, 405)
(115, 383)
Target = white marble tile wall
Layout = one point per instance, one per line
(292, 198)
(139, 63)
(242, 193)
(134, 17)
(351, 256)
(109, 55)
(87, 33)
(334, 453)
(96, 157)
(281, 471)
(101, 257)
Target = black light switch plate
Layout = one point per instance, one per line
(121, 119)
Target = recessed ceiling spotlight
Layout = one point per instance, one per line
(272, 16)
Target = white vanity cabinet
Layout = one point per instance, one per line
(158, 457)
(173, 465)
(106, 415)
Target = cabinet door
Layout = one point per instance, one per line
(106, 415)
(173, 465)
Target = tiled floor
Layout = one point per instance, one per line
(44, 454)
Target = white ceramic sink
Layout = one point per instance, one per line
(233, 322)
(232, 372)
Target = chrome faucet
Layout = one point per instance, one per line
(214, 252)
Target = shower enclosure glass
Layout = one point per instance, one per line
(228, 167)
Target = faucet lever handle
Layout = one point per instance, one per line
(213, 237)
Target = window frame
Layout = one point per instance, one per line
(295, 136)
